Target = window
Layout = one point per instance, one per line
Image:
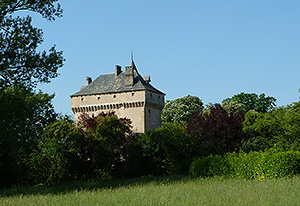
(82, 99)
(132, 94)
(99, 98)
(152, 125)
(114, 96)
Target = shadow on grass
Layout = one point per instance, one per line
(69, 187)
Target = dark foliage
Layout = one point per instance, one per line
(167, 149)
(111, 146)
(218, 128)
(23, 116)
(89, 123)
(58, 156)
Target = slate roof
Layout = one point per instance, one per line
(108, 83)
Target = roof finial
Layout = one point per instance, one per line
(131, 62)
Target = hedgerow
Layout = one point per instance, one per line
(253, 165)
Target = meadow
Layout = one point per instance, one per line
(173, 190)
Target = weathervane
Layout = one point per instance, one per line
(132, 56)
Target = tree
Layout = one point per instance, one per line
(279, 129)
(217, 128)
(23, 116)
(180, 110)
(24, 112)
(252, 101)
(167, 149)
(58, 156)
(110, 144)
(20, 62)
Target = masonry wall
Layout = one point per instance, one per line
(154, 105)
(126, 104)
(142, 107)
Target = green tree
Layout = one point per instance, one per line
(20, 62)
(23, 116)
(279, 129)
(168, 149)
(251, 101)
(24, 112)
(58, 156)
(180, 110)
(108, 139)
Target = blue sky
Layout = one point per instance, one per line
(210, 49)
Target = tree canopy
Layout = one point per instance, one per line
(20, 61)
(180, 110)
(24, 114)
(252, 101)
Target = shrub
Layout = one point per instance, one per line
(210, 166)
(279, 128)
(167, 149)
(57, 158)
(282, 164)
(254, 165)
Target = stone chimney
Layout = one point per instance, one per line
(118, 70)
(129, 76)
(88, 80)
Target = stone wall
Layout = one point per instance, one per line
(142, 107)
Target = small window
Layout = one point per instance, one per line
(132, 94)
(150, 94)
(115, 96)
(82, 99)
(99, 98)
(158, 96)
(152, 125)
(149, 110)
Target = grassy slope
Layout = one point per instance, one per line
(163, 191)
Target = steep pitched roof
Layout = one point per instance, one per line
(109, 83)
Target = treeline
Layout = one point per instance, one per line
(210, 138)
(244, 123)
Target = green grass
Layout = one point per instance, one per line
(160, 191)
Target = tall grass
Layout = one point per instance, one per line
(160, 191)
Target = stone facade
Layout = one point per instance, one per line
(127, 93)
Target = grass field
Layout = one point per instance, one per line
(177, 190)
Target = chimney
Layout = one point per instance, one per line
(129, 76)
(118, 70)
(88, 80)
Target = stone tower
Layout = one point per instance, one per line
(127, 93)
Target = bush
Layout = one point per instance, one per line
(167, 149)
(58, 157)
(282, 164)
(279, 129)
(210, 166)
(254, 165)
